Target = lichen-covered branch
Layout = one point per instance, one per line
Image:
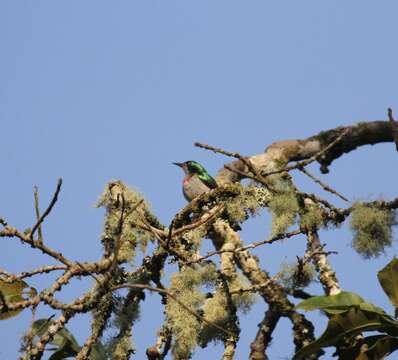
(327, 276)
(201, 302)
(279, 154)
(264, 334)
(273, 293)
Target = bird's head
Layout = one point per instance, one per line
(192, 167)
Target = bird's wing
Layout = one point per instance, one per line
(208, 180)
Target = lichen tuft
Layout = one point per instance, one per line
(121, 202)
(184, 325)
(295, 276)
(372, 229)
(284, 209)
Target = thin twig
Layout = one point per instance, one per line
(37, 210)
(247, 247)
(49, 208)
(323, 185)
(41, 270)
(88, 272)
(256, 288)
(26, 238)
(203, 219)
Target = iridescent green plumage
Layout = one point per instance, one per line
(197, 180)
(196, 168)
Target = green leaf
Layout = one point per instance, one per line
(388, 278)
(342, 301)
(12, 293)
(65, 342)
(338, 304)
(350, 323)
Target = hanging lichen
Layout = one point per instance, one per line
(124, 207)
(250, 199)
(185, 325)
(242, 300)
(215, 309)
(297, 276)
(372, 229)
(312, 218)
(284, 209)
(192, 239)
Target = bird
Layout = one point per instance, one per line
(196, 181)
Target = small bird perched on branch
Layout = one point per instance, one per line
(196, 181)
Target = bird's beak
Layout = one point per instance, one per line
(178, 164)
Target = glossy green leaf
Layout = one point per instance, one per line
(340, 301)
(388, 278)
(12, 293)
(338, 304)
(350, 323)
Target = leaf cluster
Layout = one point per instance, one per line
(350, 315)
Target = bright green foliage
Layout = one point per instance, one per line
(351, 322)
(13, 292)
(372, 229)
(284, 209)
(349, 315)
(295, 276)
(337, 303)
(184, 325)
(118, 199)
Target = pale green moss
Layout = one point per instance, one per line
(284, 209)
(243, 301)
(131, 235)
(184, 325)
(215, 309)
(372, 229)
(312, 219)
(123, 348)
(250, 199)
(295, 277)
(194, 237)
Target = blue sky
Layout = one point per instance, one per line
(93, 91)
